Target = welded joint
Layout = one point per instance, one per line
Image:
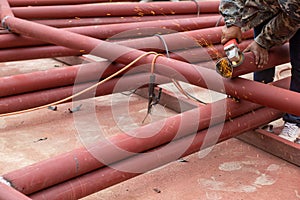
(3, 23)
(4, 181)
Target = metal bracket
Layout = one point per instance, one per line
(152, 98)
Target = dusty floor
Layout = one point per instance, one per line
(232, 170)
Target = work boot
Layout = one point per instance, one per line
(290, 131)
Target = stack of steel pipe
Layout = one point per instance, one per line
(24, 3)
(115, 9)
(19, 47)
(86, 161)
(191, 40)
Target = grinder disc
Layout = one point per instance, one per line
(224, 67)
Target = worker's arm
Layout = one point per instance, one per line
(281, 28)
(232, 11)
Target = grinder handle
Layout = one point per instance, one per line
(232, 41)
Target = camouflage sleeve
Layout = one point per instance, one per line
(282, 27)
(232, 11)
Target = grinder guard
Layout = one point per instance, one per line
(235, 57)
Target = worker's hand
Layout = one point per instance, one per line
(261, 54)
(232, 32)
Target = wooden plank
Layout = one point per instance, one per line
(271, 143)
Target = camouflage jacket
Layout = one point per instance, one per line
(282, 17)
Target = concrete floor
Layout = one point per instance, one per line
(231, 170)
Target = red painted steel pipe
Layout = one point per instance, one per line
(29, 82)
(44, 97)
(277, 56)
(55, 2)
(16, 54)
(16, 84)
(202, 55)
(182, 40)
(112, 30)
(116, 9)
(94, 181)
(5, 9)
(9, 193)
(24, 53)
(57, 77)
(62, 23)
(174, 41)
(63, 167)
(286, 101)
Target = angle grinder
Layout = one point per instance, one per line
(235, 58)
